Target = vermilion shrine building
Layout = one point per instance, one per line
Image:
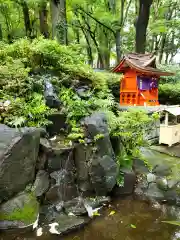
(139, 85)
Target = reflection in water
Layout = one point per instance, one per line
(133, 220)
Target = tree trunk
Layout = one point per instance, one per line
(59, 21)
(167, 58)
(168, 17)
(43, 18)
(112, 5)
(105, 49)
(122, 19)
(77, 34)
(161, 50)
(100, 57)
(86, 35)
(118, 46)
(27, 22)
(100, 63)
(141, 25)
(1, 34)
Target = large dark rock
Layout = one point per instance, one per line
(154, 193)
(19, 212)
(75, 206)
(41, 183)
(70, 223)
(128, 185)
(60, 158)
(45, 145)
(96, 125)
(82, 158)
(51, 98)
(58, 123)
(103, 174)
(98, 201)
(83, 92)
(54, 156)
(162, 170)
(48, 214)
(18, 155)
(44, 150)
(140, 167)
(96, 166)
(171, 196)
(64, 189)
(116, 144)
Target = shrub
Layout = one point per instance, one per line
(18, 112)
(169, 93)
(18, 61)
(48, 54)
(169, 86)
(170, 79)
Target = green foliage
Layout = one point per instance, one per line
(130, 126)
(98, 136)
(169, 93)
(25, 91)
(124, 160)
(19, 112)
(169, 87)
(120, 179)
(170, 79)
(94, 24)
(49, 54)
(76, 108)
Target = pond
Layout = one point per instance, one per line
(130, 219)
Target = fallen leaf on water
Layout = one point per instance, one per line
(177, 223)
(96, 214)
(133, 226)
(112, 213)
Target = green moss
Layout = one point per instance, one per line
(26, 214)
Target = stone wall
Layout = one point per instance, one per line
(41, 178)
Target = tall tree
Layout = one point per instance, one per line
(168, 15)
(27, 22)
(59, 20)
(1, 34)
(43, 18)
(141, 25)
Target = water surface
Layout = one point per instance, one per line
(133, 220)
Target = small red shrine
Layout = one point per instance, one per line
(139, 85)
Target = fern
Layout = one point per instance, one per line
(16, 121)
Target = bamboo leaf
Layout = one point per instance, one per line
(112, 213)
(133, 226)
(177, 223)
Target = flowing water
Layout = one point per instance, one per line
(132, 220)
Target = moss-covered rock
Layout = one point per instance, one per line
(166, 171)
(23, 208)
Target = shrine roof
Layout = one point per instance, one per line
(144, 63)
